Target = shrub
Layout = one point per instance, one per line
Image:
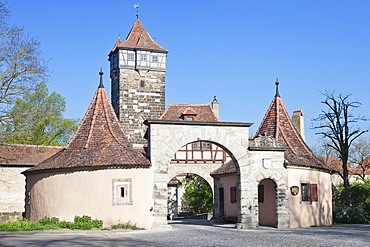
(350, 215)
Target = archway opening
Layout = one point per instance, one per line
(203, 163)
(189, 195)
(267, 208)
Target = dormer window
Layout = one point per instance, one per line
(188, 115)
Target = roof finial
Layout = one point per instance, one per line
(277, 88)
(101, 85)
(214, 98)
(136, 6)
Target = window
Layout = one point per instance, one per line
(121, 192)
(188, 118)
(261, 193)
(305, 191)
(154, 59)
(233, 194)
(206, 146)
(143, 57)
(196, 146)
(309, 192)
(130, 57)
(142, 83)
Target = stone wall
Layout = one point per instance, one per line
(12, 196)
(9, 216)
(137, 95)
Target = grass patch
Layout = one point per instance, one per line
(82, 223)
(126, 226)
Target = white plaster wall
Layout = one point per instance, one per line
(65, 195)
(12, 189)
(315, 213)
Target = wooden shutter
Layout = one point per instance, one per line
(261, 193)
(233, 194)
(313, 192)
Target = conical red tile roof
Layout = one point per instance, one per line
(98, 142)
(278, 124)
(139, 38)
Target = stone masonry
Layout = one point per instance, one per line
(137, 95)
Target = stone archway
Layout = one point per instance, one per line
(165, 137)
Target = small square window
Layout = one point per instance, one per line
(130, 57)
(188, 118)
(206, 146)
(154, 59)
(143, 57)
(196, 146)
(121, 192)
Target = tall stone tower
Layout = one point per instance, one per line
(137, 72)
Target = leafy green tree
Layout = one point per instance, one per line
(197, 197)
(21, 64)
(339, 127)
(37, 118)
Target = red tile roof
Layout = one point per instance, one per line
(25, 155)
(139, 38)
(203, 112)
(336, 165)
(278, 124)
(226, 168)
(98, 142)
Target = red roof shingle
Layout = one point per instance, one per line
(226, 168)
(201, 112)
(278, 124)
(25, 155)
(98, 142)
(139, 38)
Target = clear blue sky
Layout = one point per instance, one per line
(231, 49)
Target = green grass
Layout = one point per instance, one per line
(80, 223)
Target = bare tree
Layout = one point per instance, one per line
(21, 65)
(360, 155)
(337, 124)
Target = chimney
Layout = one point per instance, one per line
(298, 122)
(215, 107)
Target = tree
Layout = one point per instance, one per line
(197, 197)
(337, 125)
(360, 155)
(37, 118)
(21, 65)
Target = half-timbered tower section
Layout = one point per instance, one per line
(137, 71)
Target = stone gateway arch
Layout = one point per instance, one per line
(166, 137)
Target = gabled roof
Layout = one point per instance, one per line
(278, 124)
(21, 155)
(203, 112)
(139, 38)
(98, 142)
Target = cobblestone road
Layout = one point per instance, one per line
(198, 233)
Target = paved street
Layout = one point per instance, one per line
(197, 233)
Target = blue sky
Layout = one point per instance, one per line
(231, 49)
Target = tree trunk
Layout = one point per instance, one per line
(346, 183)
